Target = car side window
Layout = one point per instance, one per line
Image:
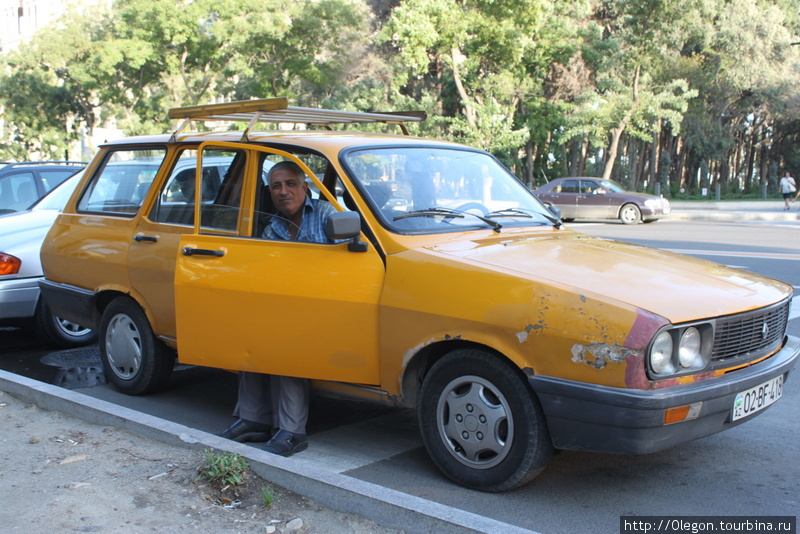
(120, 184)
(569, 186)
(176, 200)
(17, 191)
(589, 187)
(52, 178)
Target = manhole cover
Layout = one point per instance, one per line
(80, 357)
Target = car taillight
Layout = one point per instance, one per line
(9, 264)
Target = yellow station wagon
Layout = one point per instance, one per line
(454, 291)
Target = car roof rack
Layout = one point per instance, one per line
(278, 110)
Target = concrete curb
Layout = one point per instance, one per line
(339, 492)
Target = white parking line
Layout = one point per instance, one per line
(769, 255)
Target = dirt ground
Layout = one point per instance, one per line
(61, 474)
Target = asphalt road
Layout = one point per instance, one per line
(750, 470)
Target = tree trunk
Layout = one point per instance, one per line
(529, 164)
(616, 133)
(469, 109)
(655, 151)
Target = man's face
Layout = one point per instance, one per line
(288, 191)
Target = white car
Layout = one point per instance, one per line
(21, 237)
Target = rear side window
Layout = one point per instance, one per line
(17, 192)
(175, 202)
(121, 183)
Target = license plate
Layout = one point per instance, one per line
(757, 398)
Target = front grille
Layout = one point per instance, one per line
(748, 336)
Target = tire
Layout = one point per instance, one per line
(481, 423)
(60, 332)
(134, 360)
(630, 214)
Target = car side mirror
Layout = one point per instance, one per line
(555, 210)
(346, 225)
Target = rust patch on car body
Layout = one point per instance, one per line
(523, 336)
(598, 355)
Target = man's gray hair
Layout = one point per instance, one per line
(287, 165)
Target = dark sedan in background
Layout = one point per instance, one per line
(595, 198)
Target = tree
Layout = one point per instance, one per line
(638, 109)
(48, 92)
(470, 55)
(132, 63)
(625, 98)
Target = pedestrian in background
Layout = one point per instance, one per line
(788, 188)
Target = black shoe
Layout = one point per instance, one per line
(243, 430)
(285, 443)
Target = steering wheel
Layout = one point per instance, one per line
(473, 206)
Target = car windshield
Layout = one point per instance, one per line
(431, 189)
(57, 197)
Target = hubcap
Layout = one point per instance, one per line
(71, 329)
(474, 421)
(629, 215)
(123, 347)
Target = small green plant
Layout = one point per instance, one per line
(267, 496)
(223, 469)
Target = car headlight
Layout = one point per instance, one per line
(661, 354)
(657, 203)
(689, 348)
(680, 350)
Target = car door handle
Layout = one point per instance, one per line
(187, 251)
(141, 237)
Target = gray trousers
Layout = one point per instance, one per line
(279, 401)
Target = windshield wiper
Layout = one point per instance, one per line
(448, 213)
(514, 212)
(555, 220)
(509, 212)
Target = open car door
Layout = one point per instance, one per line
(279, 307)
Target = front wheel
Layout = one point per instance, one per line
(630, 214)
(134, 360)
(480, 422)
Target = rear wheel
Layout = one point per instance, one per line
(60, 332)
(480, 422)
(134, 360)
(630, 214)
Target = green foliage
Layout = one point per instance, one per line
(267, 495)
(547, 86)
(223, 469)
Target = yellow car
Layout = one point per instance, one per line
(451, 289)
